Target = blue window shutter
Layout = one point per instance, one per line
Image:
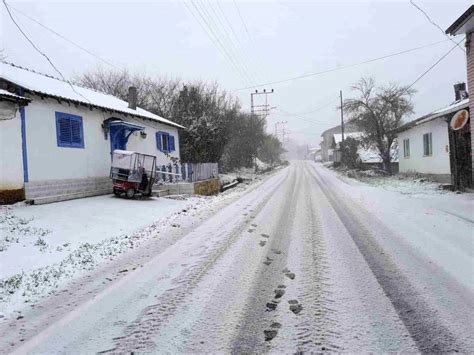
(171, 143)
(69, 130)
(158, 141)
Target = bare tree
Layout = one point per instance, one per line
(378, 111)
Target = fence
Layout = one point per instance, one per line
(186, 172)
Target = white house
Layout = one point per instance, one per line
(425, 146)
(59, 139)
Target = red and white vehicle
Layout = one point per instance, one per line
(132, 173)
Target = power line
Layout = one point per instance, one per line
(213, 38)
(286, 113)
(249, 36)
(435, 64)
(63, 37)
(227, 37)
(238, 41)
(40, 51)
(435, 24)
(31, 42)
(345, 66)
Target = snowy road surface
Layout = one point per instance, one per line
(302, 262)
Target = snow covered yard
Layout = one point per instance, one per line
(40, 246)
(404, 184)
(44, 246)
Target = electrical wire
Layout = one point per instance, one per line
(63, 37)
(219, 25)
(344, 67)
(435, 24)
(248, 57)
(41, 52)
(286, 113)
(213, 38)
(435, 64)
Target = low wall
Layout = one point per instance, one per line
(60, 190)
(205, 187)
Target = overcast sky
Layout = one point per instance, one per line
(269, 41)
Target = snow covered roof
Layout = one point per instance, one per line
(43, 84)
(338, 136)
(6, 93)
(454, 107)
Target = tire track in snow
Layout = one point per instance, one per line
(138, 335)
(317, 330)
(429, 334)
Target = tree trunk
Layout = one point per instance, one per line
(386, 160)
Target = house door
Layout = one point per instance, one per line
(118, 140)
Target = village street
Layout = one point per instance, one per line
(302, 261)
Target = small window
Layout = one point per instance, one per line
(165, 142)
(69, 130)
(406, 148)
(427, 144)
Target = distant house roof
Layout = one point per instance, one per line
(348, 127)
(454, 107)
(7, 95)
(338, 136)
(45, 85)
(464, 24)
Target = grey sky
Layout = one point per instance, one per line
(287, 39)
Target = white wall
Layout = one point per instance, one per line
(11, 158)
(47, 161)
(438, 162)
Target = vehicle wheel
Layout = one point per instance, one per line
(116, 192)
(130, 193)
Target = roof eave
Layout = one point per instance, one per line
(77, 102)
(452, 30)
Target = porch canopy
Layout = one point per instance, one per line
(120, 131)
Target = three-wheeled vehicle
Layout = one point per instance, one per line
(132, 173)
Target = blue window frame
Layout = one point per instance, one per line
(69, 130)
(165, 142)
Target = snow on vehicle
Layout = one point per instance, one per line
(132, 173)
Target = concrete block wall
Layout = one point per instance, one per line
(61, 190)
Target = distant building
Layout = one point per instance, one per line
(465, 25)
(328, 145)
(57, 138)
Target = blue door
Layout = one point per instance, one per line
(118, 140)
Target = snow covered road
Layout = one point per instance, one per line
(303, 262)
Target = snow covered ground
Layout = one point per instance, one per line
(299, 261)
(44, 246)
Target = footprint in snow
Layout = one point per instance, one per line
(265, 235)
(279, 292)
(270, 334)
(262, 243)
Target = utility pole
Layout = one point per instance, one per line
(342, 125)
(282, 123)
(265, 108)
(342, 117)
